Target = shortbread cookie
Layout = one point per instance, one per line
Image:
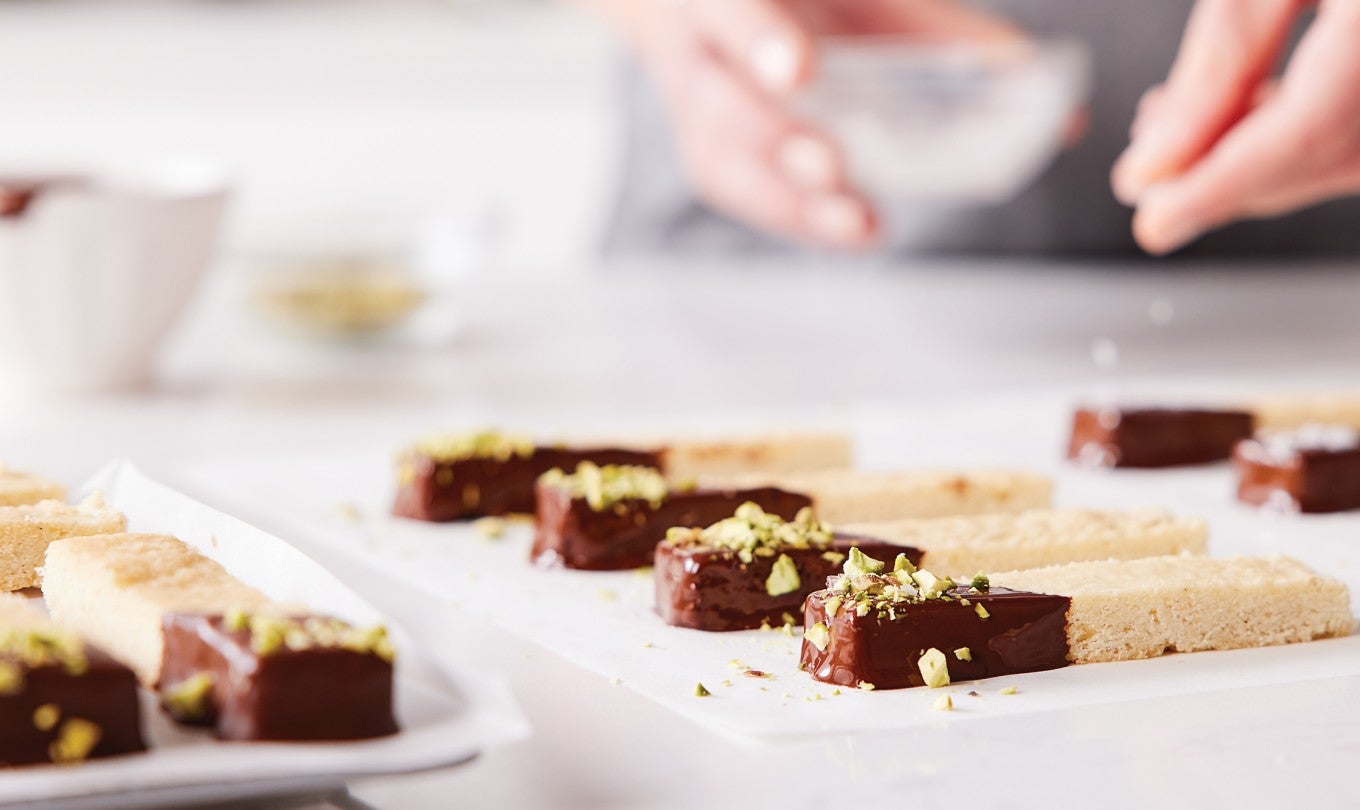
(115, 590)
(610, 518)
(489, 472)
(219, 652)
(846, 496)
(26, 531)
(19, 488)
(61, 700)
(1315, 468)
(874, 628)
(1155, 437)
(963, 545)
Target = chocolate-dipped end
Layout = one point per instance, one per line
(69, 710)
(578, 530)
(1314, 470)
(713, 589)
(1155, 437)
(445, 487)
(277, 678)
(907, 627)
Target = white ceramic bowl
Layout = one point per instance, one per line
(94, 273)
(947, 124)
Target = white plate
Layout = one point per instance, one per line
(605, 621)
(445, 719)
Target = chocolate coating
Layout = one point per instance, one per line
(1155, 437)
(309, 694)
(712, 589)
(1308, 479)
(442, 491)
(105, 694)
(1026, 632)
(625, 535)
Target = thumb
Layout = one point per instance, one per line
(760, 38)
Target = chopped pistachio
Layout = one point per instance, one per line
(191, 698)
(611, 484)
(606, 595)
(832, 604)
(783, 577)
(943, 703)
(75, 740)
(833, 557)
(37, 647)
(492, 444)
(46, 716)
(963, 654)
(491, 528)
(934, 668)
(615, 681)
(866, 686)
(235, 620)
(752, 532)
(818, 635)
(981, 611)
(11, 678)
(727, 682)
(736, 663)
(981, 582)
(647, 645)
(701, 691)
(903, 564)
(859, 563)
(350, 512)
(1009, 690)
(932, 587)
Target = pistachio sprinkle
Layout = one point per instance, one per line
(605, 486)
(40, 647)
(783, 579)
(487, 444)
(191, 698)
(75, 740)
(752, 532)
(270, 634)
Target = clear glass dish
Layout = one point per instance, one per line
(953, 124)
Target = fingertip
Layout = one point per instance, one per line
(1159, 227)
(810, 162)
(841, 220)
(782, 60)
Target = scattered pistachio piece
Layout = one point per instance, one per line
(1009, 690)
(859, 564)
(981, 582)
(606, 595)
(727, 682)
(491, 528)
(191, 698)
(783, 577)
(701, 691)
(963, 654)
(75, 740)
(833, 557)
(11, 678)
(866, 686)
(615, 681)
(934, 668)
(981, 611)
(818, 635)
(903, 565)
(46, 716)
(943, 703)
(350, 512)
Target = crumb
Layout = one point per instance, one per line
(615, 681)
(491, 528)
(351, 512)
(1009, 690)
(974, 694)
(607, 595)
(943, 703)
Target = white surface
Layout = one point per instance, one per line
(604, 620)
(443, 723)
(849, 347)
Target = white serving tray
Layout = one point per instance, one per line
(605, 621)
(445, 719)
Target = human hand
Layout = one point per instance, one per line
(1220, 141)
(726, 68)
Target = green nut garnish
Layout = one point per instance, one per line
(46, 716)
(701, 691)
(11, 678)
(783, 577)
(76, 739)
(603, 487)
(963, 654)
(931, 586)
(981, 611)
(191, 698)
(859, 563)
(902, 565)
(752, 532)
(38, 647)
(981, 582)
(492, 444)
(934, 668)
(818, 635)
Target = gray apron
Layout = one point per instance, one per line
(1069, 211)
